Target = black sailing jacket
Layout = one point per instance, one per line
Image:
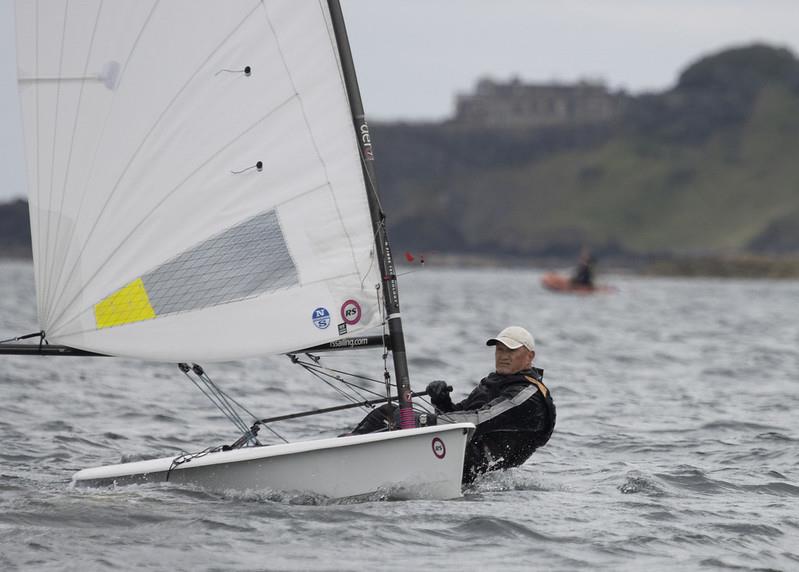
(514, 415)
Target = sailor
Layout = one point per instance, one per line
(511, 408)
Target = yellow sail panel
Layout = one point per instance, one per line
(126, 305)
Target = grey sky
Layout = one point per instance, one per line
(412, 56)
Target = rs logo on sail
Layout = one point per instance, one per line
(351, 312)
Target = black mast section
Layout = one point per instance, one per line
(389, 278)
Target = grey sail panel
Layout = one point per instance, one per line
(244, 261)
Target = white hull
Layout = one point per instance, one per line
(414, 463)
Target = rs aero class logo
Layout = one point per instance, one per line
(439, 450)
(321, 318)
(351, 312)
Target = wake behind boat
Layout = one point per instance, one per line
(202, 188)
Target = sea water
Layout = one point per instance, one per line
(676, 446)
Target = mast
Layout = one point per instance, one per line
(385, 260)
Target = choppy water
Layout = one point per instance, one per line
(677, 444)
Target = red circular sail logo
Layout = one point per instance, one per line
(351, 312)
(439, 450)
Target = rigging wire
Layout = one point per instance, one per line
(354, 387)
(317, 365)
(228, 405)
(227, 399)
(231, 415)
(259, 422)
(318, 376)
(319, 371)
(225, 403)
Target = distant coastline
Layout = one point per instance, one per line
(22, 253)
(727, 266)
(706, 266)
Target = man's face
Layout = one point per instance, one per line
(510, 361)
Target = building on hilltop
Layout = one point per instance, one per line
(515, 104)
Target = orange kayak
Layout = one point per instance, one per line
(559, 283)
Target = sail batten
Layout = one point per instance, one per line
(185, 209)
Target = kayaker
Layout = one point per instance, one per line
(584, 274)
(511, 408)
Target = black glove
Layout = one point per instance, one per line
(438, 392)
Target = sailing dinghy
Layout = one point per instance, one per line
(202, 188)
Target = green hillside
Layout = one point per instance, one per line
(708, 167)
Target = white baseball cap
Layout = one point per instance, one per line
(514, 337)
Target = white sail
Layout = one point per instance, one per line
(194, 178)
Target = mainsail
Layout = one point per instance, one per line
(195, 182)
